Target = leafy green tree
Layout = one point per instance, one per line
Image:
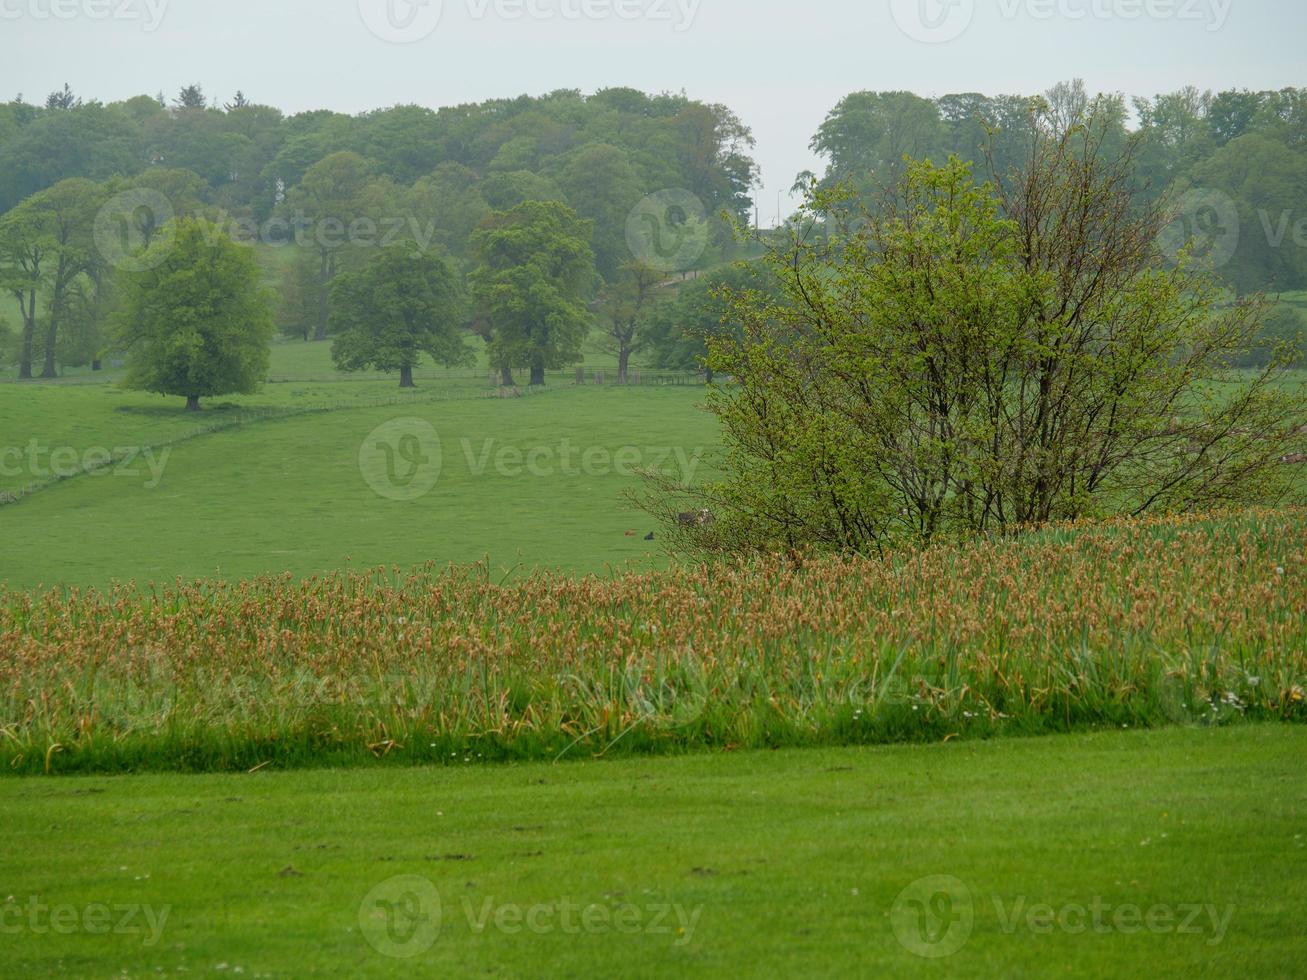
(626, 310)
(70, 208)
(968, 359)
(505, 191)
(536, 273)
(180, 195)
(91, 141)
(297, 310)
(449, 204)
(1283, 337)
(190, 97)
(601, 186)
(868, 134)
(26, 253)
(1263, 178)
(404, 303)
(679, 331)
(62, 99)
(196, 322)
(330, 199)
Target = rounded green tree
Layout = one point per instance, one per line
(401, 305)
(195, 321)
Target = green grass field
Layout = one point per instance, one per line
(1179, 853)
(284, 491)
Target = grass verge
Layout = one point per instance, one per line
(1176, 853)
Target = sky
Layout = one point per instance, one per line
(780, 64)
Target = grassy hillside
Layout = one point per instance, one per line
(1188, 843)
(288, 493)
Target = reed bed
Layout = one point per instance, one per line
(1185, 620)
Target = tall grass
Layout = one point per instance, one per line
(1176, 620)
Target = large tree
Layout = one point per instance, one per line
(536, 273)
(196, 322)
(627, 307)
(69, 211)
(678, 331)
(404, 303)
(972, 358)
(329, 200)
(26, 249)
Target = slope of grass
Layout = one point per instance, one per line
(291, 495)
(1142, 623)
(1178, 853)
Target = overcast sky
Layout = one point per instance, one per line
(781, 64)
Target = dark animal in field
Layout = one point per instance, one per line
(650, 536)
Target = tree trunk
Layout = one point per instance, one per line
(192, 403)
(406, 377)
(506, 374)
(709, 372)
(537, 375)
(324, 280)
(29, 337)
(623, 364)
(48, 369)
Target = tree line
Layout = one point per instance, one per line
(326, 192)
(1248, 147)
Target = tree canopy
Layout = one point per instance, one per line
(196, 322)
(531, 289)
(401, 305)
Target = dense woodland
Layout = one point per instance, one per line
(333, 183)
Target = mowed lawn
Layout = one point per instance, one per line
(1127, 854)
(537, 481)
